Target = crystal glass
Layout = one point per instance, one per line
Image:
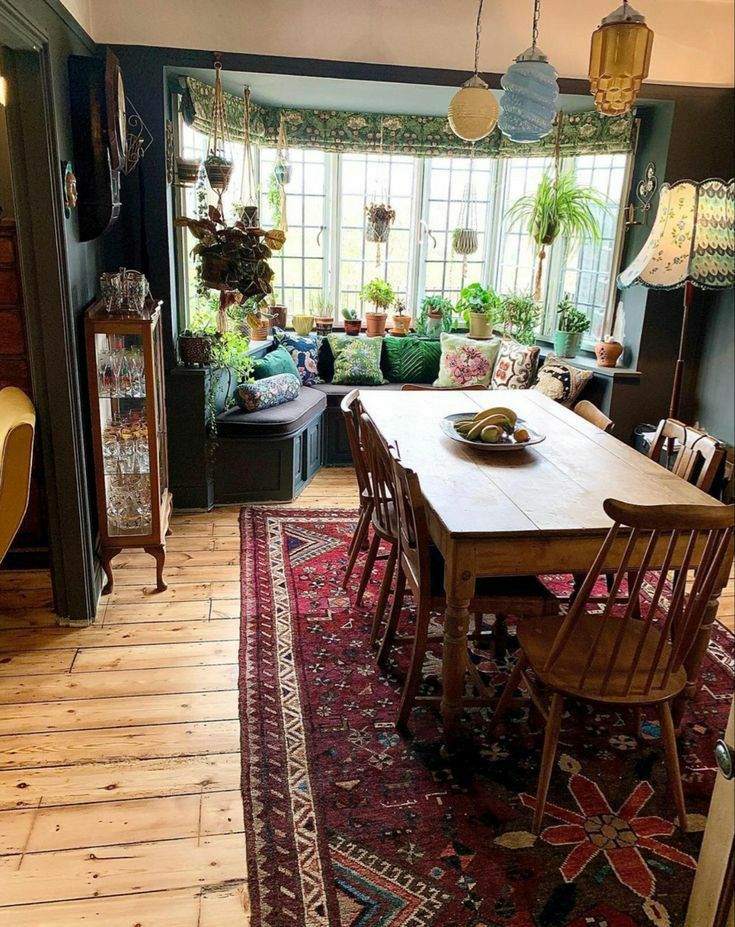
(111, 289)
(136, 289)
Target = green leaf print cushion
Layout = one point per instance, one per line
(356, 360)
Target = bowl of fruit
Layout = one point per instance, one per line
(494, 429)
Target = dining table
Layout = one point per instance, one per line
(531, 511)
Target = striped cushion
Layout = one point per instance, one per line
(411, 360)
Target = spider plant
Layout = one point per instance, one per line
(559, 207)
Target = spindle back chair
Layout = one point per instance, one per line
(590, 413)
(351, 409)
(699, 456)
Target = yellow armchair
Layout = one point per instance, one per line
(17, 428)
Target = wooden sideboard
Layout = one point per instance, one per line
(30, 547)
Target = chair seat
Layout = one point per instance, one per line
(537, 637)
(389, 531)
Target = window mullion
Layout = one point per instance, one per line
(414, 243)
(494, 221)
(334, 196)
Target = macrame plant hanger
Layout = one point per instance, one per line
(217, 165)
(282, 169)
(249, 197)
(378, 232)
(541, 257)
(465, 238)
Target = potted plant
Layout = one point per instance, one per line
(381, 294)
(353, 324)
(571, 324)
(435, 316)
(480, 308)
(323, 316)
(303, 322)
(401, 319)
(519, 317)
(187, 171)
(218, 170)
(380, 217)
(559, 207)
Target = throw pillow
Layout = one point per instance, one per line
(277, 361)
(515, 367)
(561, 381)
(356, 360)
(411, 360)
(270, 391)
(303, 349)
(465, 361)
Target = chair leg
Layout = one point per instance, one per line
(672, 762)
(393, 618)
(368, 568)
(413, 678)
(507, 693)
(553, 726)
(385, 585)
(500, 633)
(363, 526)
(577, 585)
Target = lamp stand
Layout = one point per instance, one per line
(679, 371)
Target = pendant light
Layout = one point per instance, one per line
(473, 110)
(528, 106)
(619, 60)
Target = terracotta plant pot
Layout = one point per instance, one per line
(303, 324)
(353, 326)
(187, 171)
(324, 324)
(218, 172)
(401, 324)
(195, 350)
(375, 324)
(260, 330)
(278, 315)
(608, 352)
(480, 326)
(566, 344)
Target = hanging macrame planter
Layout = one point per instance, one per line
(282, 170)
(380, 217)
(217, 166)
(250, 213)
(466, 238)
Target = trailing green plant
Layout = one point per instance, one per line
(378, 292)
(274, 199)
(559, 207)
(519, 317)
(475, 298)
(570, 319)
(349, 315)
(436, 305)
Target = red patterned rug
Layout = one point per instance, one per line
(349, 824)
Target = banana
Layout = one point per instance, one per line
(494, 418)
(474, 433)
(463, 427)
(498, 410)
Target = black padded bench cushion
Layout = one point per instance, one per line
(336, 391)
(277, 421)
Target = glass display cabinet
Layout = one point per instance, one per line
(126, 388)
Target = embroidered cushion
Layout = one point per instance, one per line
(466, 361)
(356, 360)
(561, 381)
(303, 349)
(276, 361)
(270, 391)
(515, 366)
(410, 360)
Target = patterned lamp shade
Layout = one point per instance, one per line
(692, 240)
(619, 60)
(528, 106)
(473, 110)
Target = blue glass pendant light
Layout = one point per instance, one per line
(528, 106)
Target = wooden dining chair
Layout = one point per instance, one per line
(416, 387)
(589, 411)
(699, 455)
(614, 658)
(351, 409)
(421, 568)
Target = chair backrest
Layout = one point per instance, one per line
(416, 387)
(17, 428)
(698, 457)
(588, 411)
(381, 474)
(635, 647)
(413, 528)
(351, 408)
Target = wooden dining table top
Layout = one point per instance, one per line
(556, 488)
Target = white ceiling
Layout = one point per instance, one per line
(693, 38)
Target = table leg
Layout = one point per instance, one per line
(459, 584)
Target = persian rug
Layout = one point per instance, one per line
(350, 825)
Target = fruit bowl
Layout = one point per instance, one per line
(506, 442)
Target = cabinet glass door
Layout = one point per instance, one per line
(125, 439)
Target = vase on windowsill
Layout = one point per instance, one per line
(608, 352)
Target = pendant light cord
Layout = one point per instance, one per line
(478, 29)
(536, 15)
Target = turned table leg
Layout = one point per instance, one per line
(159, 555)
(459, 584)
(106, 555)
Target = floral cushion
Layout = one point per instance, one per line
(304, 350)
(270, 391)
(410, 359)
(277, 361)
(356, 360)
(515, 367)
(561, 381)
(466, 361)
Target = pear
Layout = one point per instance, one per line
(490, 434)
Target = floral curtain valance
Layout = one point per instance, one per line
(424, 136)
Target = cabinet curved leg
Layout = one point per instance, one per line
(106, 555)
(159, 555)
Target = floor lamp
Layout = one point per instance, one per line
(692, 243)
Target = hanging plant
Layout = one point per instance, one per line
(217, 166)
(465, 241)
(380, 217)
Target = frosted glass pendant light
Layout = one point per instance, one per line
(473, 110)
(528, 106)
(619, 60)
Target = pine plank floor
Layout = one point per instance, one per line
(119, 743)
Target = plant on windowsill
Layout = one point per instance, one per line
(381, 294)
(435, 316)
(401, 319)
(323, 315)
(571, 324)
(303, 322)
(480, 308)
(560, 207)
(353, 323)
(518, 318)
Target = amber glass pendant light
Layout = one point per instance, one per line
(473, 110)
(619, 60)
